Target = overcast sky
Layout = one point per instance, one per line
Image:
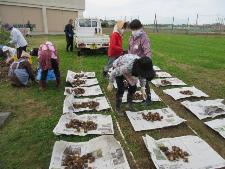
(208, 10)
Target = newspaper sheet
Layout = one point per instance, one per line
(162, 75)
(89, 91)
(206, 108)
(104, 124)
(154, 97)
(115, 84)
(70, 75)
(156, 68)
(201, 155)
(107, 151)
(168, 82)
(169, 119)
(217, 125)
(70, 100)
(176, 93)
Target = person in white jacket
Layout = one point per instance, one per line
(17, 39)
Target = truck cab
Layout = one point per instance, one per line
(88, 35)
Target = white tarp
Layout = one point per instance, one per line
(88, 82)
(154, 97)
(162, 75)
(115, 84)
(206, 108)
(217, 125)
(156, 68)
(69, 100)
(175, 93)
(71, 74)
(202, 156)
(173, 82)
(107, 151)
(169, 119)
(89, 91)
(104, 124)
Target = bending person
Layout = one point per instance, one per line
(48, 59)
(132, 68)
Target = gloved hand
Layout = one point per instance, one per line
(110, 87)
(143, 93)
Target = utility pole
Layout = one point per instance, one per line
(187, 25)
(155, 24)
(172, 23)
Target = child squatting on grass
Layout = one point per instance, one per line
(132, 68)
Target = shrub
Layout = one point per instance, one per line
(4, 37)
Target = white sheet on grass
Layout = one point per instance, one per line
(175, 93)
(206, 108)
(162, 75)
(115, 84)
(217, 125)
(156, 68)
(202, 156)
(89, 91)
(69, 100)
(104, 124)
(71, 74)
(106, 149)
(173, 81)
(169, 119)
(154, 97)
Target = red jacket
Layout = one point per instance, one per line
(115, 45)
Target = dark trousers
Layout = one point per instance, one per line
(69, 41)
(147, 88)
(121, 88)
(20, 50)
(55, 67)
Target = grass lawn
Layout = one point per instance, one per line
(26, 141)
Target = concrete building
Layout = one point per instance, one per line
(47, 16)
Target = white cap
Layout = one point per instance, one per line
(5, 48)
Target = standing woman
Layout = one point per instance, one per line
(115, 45)
(69, 35)
(140, 45)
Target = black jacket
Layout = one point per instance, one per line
(69, 30)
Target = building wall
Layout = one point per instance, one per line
(57, 19)
(48, 16)
(70, 4)
(20, 15)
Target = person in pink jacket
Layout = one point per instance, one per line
(139, 44)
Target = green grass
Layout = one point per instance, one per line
(26, 141)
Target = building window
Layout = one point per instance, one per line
(94, 23)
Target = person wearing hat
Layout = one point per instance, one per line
(20, 71)
(139, 44)
(48, 59)
(17, 39)
(131, 68)
(10, 53)
(115, 45)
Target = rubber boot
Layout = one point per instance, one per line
(42, 85)
(148, 99)
(129, 101)
(57, 82)
(118, 106)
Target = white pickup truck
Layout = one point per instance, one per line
(88, 35)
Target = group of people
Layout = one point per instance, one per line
(20, 69)
(132, 67)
